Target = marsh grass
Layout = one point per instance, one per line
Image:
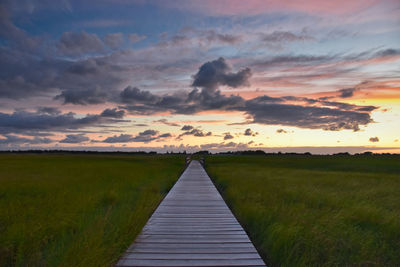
(315, 210)
(77, 210)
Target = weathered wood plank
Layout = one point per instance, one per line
(245, 262)
(191, 256)
(192, 227)
(209, 250)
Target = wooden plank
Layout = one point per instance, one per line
(191, 256)
(245, 262)
(192, 227)
(209, 250)
(192, 245)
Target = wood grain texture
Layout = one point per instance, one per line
(192, 226)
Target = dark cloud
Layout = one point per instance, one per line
(228, 136)
(144, 102)
(13, 139)
(217, 72)
(75, 139)
(288, 110)
(374, 139)
(347, 92)
(86, 81)
(303, 113)
(49, 110)
(113, 113)
(122, 138)
(249, 132)
(166, 135)
(90, 81)
(79, 43)
(23, 75)
(93, 81)
(387, 53)
(135, 95)
(83, 97)
(144, 137)
(187, 128)
(24, 121)
(311, 117)
(13, 34)
(281, 131)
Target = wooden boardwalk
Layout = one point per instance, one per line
(192, 227)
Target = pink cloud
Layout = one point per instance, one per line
(252, 7)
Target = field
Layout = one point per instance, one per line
(77, 210)
(304, 210)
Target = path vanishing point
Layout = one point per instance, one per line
(192, 226)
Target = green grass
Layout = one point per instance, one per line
(77, 210)
(315, 210)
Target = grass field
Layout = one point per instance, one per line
(315, 210)
(77, 210)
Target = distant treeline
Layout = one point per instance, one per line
(202, 152)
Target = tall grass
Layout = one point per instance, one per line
(77, 210)
(315, 210)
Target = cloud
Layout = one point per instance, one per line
(217, 72)
(201, 38)
(165, 135)
(347, 92)
(374, 139)
(144, 137)
(187, 128)
(83, 97)
(87, 81)
(122, 138)
(114, 40)
(293, 60)
(166, 122)
(213, 36)
(135, 95)
(113, 113)
(288, 110)
(249, 132)
(228, 136)
(134, 38)
(281, 131)
(24, 121)
(277, 39)
(79, 43)
(49, 110)
(13, 139)
(338, 116)
(92, 81)
(75, 139)
(239, 8)
(219, 146)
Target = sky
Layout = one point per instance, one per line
(188, 75)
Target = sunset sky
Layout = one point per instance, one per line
(218, 75)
